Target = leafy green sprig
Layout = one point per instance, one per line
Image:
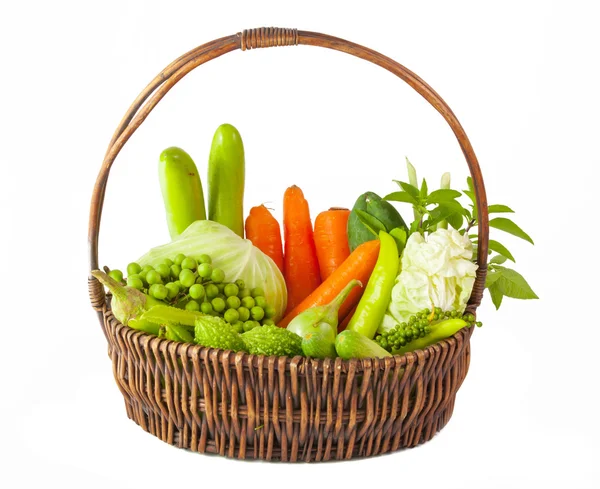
(501, 281)
(441, 208)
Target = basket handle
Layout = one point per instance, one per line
(261, 38)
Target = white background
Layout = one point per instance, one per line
(522, 76)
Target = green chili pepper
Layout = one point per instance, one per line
(438, 332)
(376, 298)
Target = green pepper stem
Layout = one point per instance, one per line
(336, 303)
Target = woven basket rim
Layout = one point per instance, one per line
(191, 350)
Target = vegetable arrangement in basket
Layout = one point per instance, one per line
(362, 283)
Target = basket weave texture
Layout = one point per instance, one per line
(279, 408)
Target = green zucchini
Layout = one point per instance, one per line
(181, 190)
(381, 209)
(226, 174)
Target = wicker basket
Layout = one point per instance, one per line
(278, 408)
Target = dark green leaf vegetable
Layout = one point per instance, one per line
(181, 190)
(384, 214)
(373, 224)
(226, 174)
(376, 298)
(350, 344)
(214, 332)
(272, 340)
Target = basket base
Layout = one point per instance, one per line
(320, 450)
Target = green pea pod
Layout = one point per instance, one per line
(378, 292)
(226, 174)
(181, 189)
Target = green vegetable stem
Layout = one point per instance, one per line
(226, 175)
(374, 302)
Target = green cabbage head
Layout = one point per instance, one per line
(237, 257)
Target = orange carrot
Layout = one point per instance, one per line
(300, 265)
(264, 232)
(344, 322)
(358, 265)
(331, 239)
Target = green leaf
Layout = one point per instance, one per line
(423, 192)
(500, 248)
(496, 295)
(510, 227)
(372, 223)
(414, 226)
(491, 278)
(401, 197)
(412, 173)
(400, 236)
(512, 284)
(446, 211)
(498, 208)
(442, 195)
(470, 184)
(471, 195)
(407, 187)
(498, 259)
(455, 220)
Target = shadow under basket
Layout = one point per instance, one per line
(279, 408)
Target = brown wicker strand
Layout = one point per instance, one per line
(97, 294)
(278, 408)
(266, 37)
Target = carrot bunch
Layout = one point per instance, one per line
(317, 264)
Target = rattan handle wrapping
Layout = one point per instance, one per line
(269, 37)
